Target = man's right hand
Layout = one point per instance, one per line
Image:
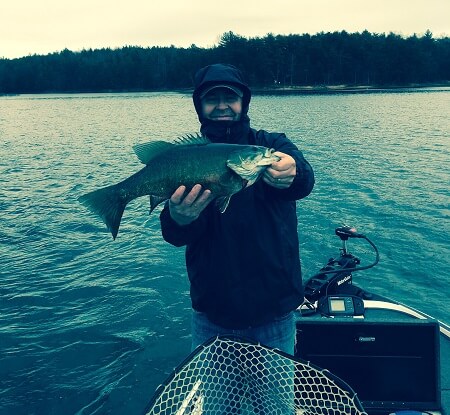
(184, 209)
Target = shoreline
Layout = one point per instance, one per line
(348, 89)
(291, 90)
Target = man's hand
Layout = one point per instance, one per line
(184, 209)
(281, 173)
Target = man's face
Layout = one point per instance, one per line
(221, 104)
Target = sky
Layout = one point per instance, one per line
(29, 27)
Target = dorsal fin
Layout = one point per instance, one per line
(148, 151)
(192, 139)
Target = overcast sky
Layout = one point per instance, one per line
(45, 26)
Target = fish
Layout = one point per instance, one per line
(223, 168)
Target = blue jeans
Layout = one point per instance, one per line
(258, 382)
(279, 334)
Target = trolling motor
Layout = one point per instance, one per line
(336, 276)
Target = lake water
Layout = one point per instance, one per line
(89, 325)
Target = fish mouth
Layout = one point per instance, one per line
(250, 163)
(268, 158)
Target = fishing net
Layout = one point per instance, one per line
(232, 376)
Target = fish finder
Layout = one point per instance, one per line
(341, 305)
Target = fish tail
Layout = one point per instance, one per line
(108, 204)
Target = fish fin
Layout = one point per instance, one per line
(223, 202)
(155, 201)
(192, 139)
(108, 205)
(250, 174)
(148, 151)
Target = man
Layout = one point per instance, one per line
(243, 264)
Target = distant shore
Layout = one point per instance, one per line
(279, 90)
(338, 89)
(346, 89)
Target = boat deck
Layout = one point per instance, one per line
(394, 357)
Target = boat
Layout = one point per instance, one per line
(358, 353)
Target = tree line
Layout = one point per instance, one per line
(338, 58)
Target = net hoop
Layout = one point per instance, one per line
(234, 375)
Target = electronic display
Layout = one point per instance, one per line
(341, 305)
(337, 304)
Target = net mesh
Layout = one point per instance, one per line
(230, 376)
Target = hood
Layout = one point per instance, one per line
(223, 74)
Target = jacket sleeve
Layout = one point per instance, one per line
(181, 235)
(304, 179)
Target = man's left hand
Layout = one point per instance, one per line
(281, 173)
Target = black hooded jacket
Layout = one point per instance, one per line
(243, 264)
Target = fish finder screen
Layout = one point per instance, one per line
(337, 304)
